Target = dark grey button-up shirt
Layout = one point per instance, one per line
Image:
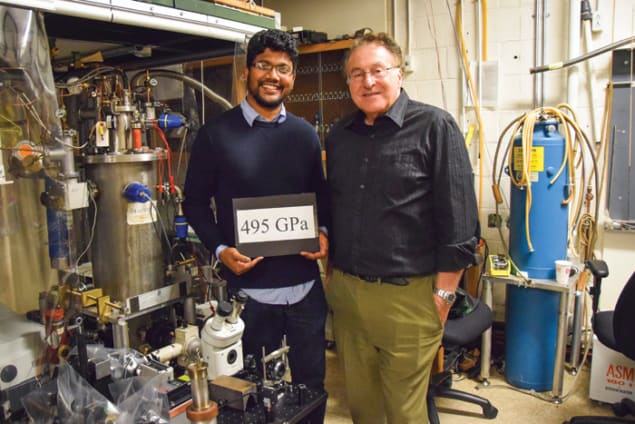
(402, 193)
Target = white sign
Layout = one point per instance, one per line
(275, 224)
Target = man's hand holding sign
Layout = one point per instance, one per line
(274, 226)
(324, 248)
(237, 262)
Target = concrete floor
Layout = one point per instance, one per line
(513, 405)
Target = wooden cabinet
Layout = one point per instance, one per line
(321, 94)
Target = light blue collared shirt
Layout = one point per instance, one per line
(250, 114)
(276, 296)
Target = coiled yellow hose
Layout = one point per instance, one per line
(575, 140)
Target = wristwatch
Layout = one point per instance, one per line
(448, 296)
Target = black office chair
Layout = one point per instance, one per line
(614, 330)
(460, 332)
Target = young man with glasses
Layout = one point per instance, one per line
(260, 149)
(404, 225)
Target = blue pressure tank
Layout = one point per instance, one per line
(548, 217)
(531, 314)
(531, 329)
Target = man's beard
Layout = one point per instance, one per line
(268, 104)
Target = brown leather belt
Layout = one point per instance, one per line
(396, 281)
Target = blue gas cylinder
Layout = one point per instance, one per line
(531, 314)
(531, 329)
(548, 217)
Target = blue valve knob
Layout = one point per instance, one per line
(137, 192)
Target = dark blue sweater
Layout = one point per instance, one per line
(230, 159)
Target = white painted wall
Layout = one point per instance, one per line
(438, 77)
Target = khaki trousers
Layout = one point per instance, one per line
(387, 337)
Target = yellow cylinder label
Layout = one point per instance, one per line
(537, 162)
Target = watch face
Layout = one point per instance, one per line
(450, 297)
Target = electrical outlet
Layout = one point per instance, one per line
(596, 22)
(494, 220)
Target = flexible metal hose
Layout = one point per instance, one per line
(209, 93)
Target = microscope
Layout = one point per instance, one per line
(221, 336)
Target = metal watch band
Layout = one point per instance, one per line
(448, 296)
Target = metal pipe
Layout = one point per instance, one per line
(573, 51)
(120, 334)
(393, 20)
(189, 310)
(543, 37)
(187, 81)
(590, 78)
(64, 154)
(586, 56)
(539, 51)
(486, 337)
(561, 343)
(536, 42)
(464, 92)
(408, 28)
(479, 53)
(576, 336)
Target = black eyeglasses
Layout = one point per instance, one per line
(282, 69)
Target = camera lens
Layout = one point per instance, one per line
(276, 369)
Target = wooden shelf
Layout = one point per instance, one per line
(245, 6)
(325, 47)
(305, 49)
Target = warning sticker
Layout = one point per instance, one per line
(537, 160)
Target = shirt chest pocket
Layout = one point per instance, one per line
(403, 173)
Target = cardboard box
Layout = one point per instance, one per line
(612, 375)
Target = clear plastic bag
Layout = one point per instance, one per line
(39, 407)
(135, 399)
(141, 400)
(78, 402)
